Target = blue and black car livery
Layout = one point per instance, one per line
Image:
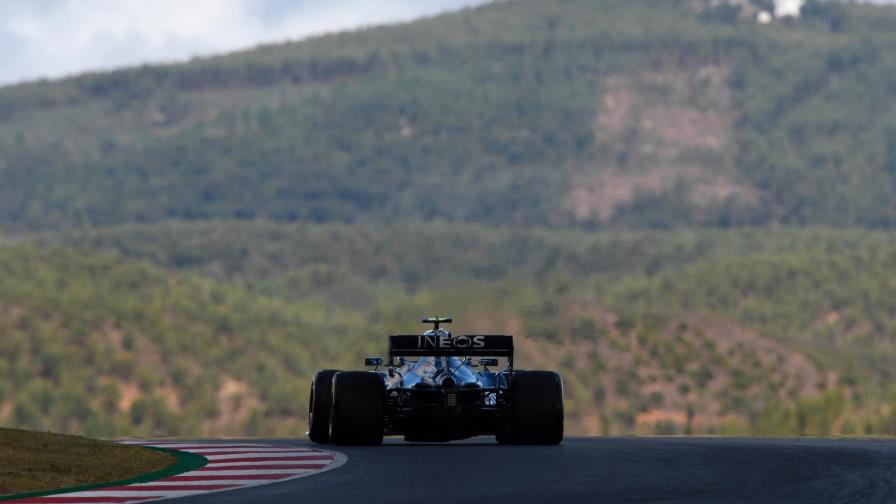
(432, 390)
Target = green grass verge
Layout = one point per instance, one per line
(41, 462)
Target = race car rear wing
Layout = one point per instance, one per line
(468, 345)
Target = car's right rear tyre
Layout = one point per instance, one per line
(319, 405)
(536, 403)
(356, 417)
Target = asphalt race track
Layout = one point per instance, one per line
(599, 470)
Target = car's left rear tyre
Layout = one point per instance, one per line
(356, 416)
(319, 405)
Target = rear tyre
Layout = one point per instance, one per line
(319, 405)
(536, 402)
(356, 416)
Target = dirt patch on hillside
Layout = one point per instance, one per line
(6, 408)
(657, 131)
(674, 108)
(237, 401)
(600, 194)
(129, 392)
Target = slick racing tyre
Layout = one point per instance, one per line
(319, 406)
(536, 402)
(356, 416)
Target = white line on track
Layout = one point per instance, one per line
(255, 455)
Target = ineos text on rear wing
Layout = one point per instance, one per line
(491, 345)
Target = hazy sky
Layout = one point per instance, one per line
(52, 38)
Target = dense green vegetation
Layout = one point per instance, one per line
(107, 347)
(836, 308)
(768, 332)
(300, 260)
(491, 115)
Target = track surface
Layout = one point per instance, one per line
(603, 470)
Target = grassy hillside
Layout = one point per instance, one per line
(69, 461)
(655, 113)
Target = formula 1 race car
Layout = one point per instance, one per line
(431, 390)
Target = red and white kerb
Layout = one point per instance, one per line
(230, 467)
